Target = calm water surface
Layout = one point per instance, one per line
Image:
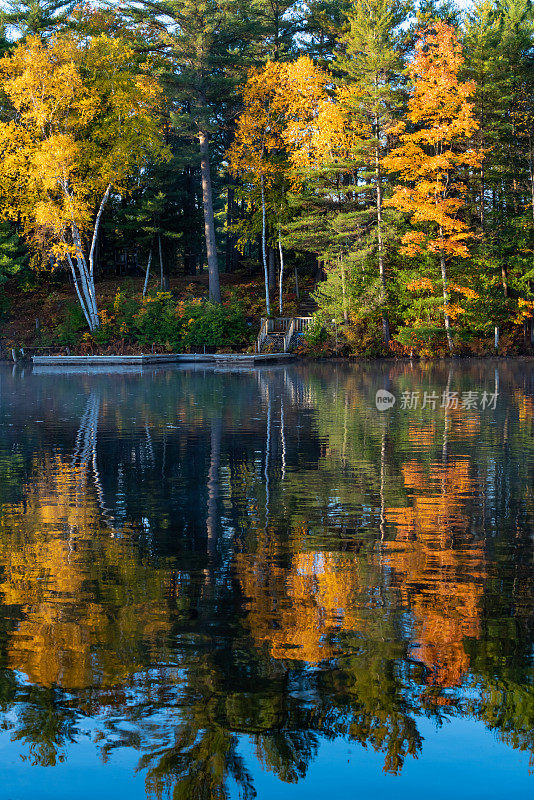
(238, 584)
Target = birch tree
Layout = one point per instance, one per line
(82, 121)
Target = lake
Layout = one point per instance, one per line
(272, 582)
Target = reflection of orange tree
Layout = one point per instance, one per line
(437, 567)
(89, 605)
(330, 605)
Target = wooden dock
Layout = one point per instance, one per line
(152, 359)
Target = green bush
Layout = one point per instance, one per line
(157, 321)
(69, 332)
(214, 325)
(316, 333)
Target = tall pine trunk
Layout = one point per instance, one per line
(209, 219)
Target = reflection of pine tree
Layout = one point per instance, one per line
(47, 724)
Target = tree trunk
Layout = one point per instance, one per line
(531, 172)
(446, 302)
(381, 265)
(271, 260)
(232, 253)
(344, 290)
(86, 280)
(164, 278)
(83, 273)
(264, 249)
(482, 171)
(281, 282)
(504, 277)
(147, 275)
(209, 219)
(189, 236)
(96, 229)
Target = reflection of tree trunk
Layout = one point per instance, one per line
(267, 456)
(345, 432)
(209, 218)
(382, 485)
(150, 446)
(85, 453)
(283, 437)
(213, 487)
(446, 424)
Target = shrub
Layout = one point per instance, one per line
(69, 331)
(214, 325)
(157, 321)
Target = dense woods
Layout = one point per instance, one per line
(374, 154)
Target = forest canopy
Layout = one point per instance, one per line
(376, 154)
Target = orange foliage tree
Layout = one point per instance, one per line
(432, 154)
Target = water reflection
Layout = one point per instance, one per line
(192, 559)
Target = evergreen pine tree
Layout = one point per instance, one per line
(370, 63)
(205, 46)
(37, 17)
(13, 257)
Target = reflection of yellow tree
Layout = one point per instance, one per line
(437, 568)
(296, 609)
(88, 603)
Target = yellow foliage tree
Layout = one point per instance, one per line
(83, 121)
(256, 153)
(432, 153)
(292, 125)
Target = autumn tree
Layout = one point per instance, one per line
(257, 153)
(328, 148)
(433, 154)
(370, 63)
(82, 121)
